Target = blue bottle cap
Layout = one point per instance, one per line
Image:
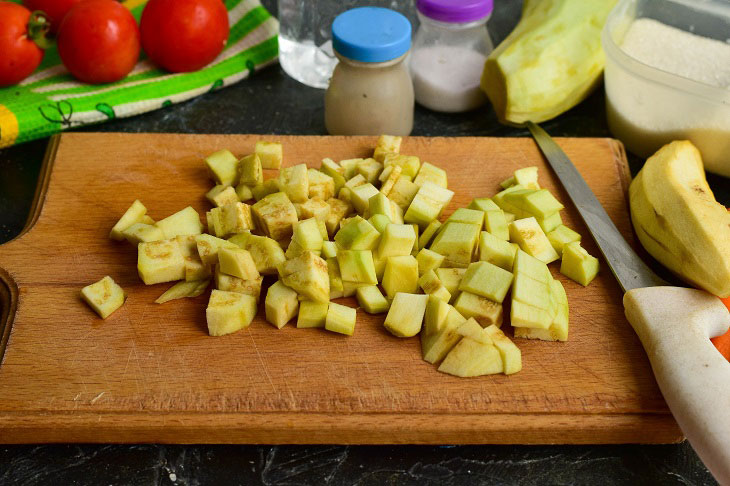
(371, 34)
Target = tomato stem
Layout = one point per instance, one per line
(38, 27)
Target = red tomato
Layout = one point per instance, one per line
(20, 55)
(98, 41)
(55, 10)
(184, 35)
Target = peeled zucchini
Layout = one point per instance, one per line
(550, 62)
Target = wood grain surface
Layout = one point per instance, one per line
(150, 373)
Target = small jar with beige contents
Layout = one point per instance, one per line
(370, 91)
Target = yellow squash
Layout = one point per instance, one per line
(550, 62)
(678, 220)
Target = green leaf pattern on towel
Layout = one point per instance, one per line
(106, 109)
(59, 112)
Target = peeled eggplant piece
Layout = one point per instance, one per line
(550, 62)
(678, 220)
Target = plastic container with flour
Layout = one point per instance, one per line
(667, 76)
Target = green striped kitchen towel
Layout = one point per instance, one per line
(51, 100)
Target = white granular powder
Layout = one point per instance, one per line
(645, 113)
(446, 78)
(678, 52)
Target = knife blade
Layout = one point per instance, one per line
(630, 271)
(674, 324)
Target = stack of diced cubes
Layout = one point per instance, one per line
(370, 228)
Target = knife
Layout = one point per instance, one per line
(674, 324)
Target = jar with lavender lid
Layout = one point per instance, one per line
(449, 51)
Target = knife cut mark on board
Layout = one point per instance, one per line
(261, 360)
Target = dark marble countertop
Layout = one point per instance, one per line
(270, 102)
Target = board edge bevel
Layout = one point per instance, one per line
(326, 428)
(8, 288)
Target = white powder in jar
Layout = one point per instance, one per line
(645, 113)
(446, 78)
(679, 52)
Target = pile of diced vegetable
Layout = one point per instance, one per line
(369, 228)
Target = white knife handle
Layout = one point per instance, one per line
(675, 326)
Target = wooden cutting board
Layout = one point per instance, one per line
(150, 373)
